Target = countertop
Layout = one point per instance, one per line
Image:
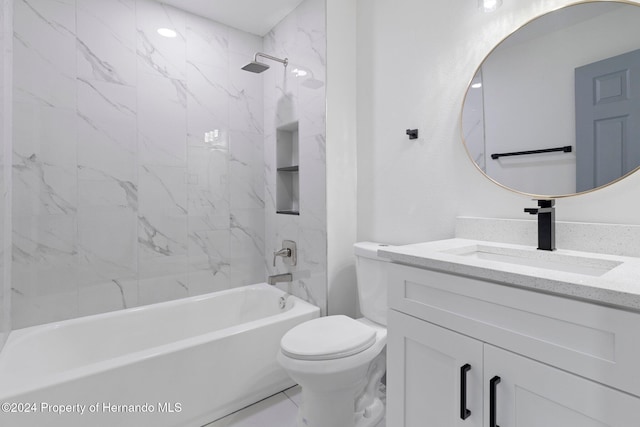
(612, 280)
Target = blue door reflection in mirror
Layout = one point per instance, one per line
(607, 120)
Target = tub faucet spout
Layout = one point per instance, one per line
(277, 278)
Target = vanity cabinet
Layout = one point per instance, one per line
(532, 394)
(560, 362)
(425, 374)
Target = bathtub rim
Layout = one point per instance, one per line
(12, 391)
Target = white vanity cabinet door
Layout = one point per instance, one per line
(424, 375)
(596, 342)
(531, 394)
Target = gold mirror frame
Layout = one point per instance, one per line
(534, 195)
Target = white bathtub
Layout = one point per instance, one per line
(179, 363)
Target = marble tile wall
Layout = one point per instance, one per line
(6, 30)
(298, 94)
(118, 201)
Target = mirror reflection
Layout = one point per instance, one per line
(554, 109)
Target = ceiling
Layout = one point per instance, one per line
(253, 16)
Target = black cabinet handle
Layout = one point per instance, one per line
(464, 412)
(492, 401)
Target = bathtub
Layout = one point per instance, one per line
(180, 363)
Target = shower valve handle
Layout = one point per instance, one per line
(284, 252)
(288, 253)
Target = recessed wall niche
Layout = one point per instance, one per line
(287, 173)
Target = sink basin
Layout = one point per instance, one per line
(600, 278)
(538, 259)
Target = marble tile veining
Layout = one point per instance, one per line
(158, 55)
(162, 121)
(207, 41)
(107, 245)
(106, 41)
(106, 142)
(143, 166)
(6, 94)
(301, 37)
(45, 52)
(207, 102)
(120, 201)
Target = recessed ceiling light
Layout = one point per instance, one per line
(476, 85)
(489, 5)
(167, 32)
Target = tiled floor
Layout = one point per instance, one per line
(279, 410)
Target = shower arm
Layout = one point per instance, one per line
(284, 61)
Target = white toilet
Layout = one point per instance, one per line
(338, 361)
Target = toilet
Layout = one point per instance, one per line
(338, 361)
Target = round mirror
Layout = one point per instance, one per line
(554, 109)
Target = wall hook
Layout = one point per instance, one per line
(413, 133)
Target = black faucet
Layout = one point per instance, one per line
(546, 224)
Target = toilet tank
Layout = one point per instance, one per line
(371, 273)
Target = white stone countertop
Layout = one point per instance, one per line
(599, 278)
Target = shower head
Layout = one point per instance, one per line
(258, 67)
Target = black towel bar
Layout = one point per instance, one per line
(565, 149)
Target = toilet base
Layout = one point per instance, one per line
(341, 412)
(356, 406)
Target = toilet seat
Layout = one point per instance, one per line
(326, 338)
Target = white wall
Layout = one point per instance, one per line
(341, 156)
(415, 60)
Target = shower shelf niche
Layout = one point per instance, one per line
(287, 177)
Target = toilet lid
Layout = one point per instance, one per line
(330, 337)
